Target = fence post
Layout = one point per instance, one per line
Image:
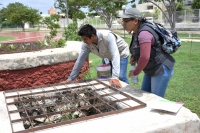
(199, 18)
(96, 22)
(100, 23)
(185, 19)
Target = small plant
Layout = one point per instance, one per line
(11, 47)
(52, 24)
(55, 43)
(22, 48)
(47, 40)
(69, 115)
(64, 118)
(42, 44)
(61, 42)
(87, 76)
(1, 46)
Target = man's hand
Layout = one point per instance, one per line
(115, 83)
(66, 81)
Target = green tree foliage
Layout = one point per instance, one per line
(17, 13)
(2, 17)
(106, 9)
(179, 7)
(74, 8)
(133, 5)
(71, 32)
(156, 13)
(140, 2)
(171, 6)
(52, 24)
(196, 5)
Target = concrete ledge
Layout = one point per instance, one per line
(25, 60)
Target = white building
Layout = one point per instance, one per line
(187, 2)
(149, 9)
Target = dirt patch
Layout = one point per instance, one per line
(10, 48)
(24, 42)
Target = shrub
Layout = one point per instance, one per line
(59, 43)
(71, 32)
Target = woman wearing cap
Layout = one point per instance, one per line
(145, 48)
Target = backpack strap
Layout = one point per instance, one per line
(145, 27)
(105, 35)
(114, 35)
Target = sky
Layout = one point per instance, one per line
(42, 5)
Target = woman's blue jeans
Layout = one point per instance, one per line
(157, 84)
(123, 69)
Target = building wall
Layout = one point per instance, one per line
(150, 7)
(144, 7)
(52, 11)
(187, 2)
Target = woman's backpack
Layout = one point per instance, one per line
(169, 39)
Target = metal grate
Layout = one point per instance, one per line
(54, 105)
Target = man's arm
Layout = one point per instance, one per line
(79, 62)
(112, 46)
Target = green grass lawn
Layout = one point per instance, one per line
(185, 35)
(6, 38)
(185, 83)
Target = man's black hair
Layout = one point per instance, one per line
(87, 30)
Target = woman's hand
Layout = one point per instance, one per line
(132, 61)
(131, 73)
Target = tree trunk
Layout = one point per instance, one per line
(173, 27)
(22, 24)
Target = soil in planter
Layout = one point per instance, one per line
(21, 47)
(37, 76)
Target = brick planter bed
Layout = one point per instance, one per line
(41, 75)
(37, 68)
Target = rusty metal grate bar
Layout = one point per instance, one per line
(59, 104)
